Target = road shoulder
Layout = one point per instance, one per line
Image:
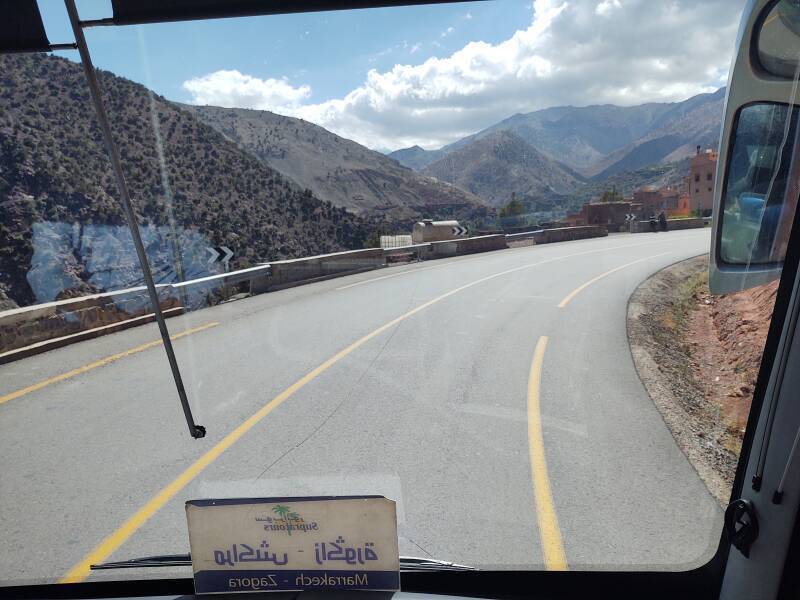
(698, 357)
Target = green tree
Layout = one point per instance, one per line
(513, 208)
(373, 240)
(611, 195)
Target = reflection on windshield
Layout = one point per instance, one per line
(73, 259)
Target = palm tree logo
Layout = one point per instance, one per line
(284, 512)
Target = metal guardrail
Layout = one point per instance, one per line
(402, 249)
(524, 235)
(231, 278)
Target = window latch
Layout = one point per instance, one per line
(741, 525)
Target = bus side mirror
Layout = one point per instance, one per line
(755, 209)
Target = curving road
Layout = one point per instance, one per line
(493, 396)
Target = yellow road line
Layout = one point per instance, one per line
(580, 288)
(98, 363)
(549, 533)
(104, 549)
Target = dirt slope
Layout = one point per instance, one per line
(698, 356)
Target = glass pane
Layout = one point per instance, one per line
(761, 177)
(778, 40)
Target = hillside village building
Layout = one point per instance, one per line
(700, 182)
(696, 197)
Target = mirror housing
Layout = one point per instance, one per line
(757, 180)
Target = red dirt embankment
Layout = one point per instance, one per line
(698, 356)
(727, 336)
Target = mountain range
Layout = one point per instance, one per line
(567, 146)
(270, 186)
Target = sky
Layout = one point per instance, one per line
(427, 75)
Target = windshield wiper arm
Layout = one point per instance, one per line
(407, 563)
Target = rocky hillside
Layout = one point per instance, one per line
(185, 178)
(500, 164)
(340, 170)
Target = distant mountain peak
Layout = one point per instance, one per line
(501, 164)
(415, 157)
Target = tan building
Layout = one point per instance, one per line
(702, 170)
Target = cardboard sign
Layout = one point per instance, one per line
(280, 544)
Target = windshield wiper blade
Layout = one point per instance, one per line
(413, 563)
(407, 563)
(163, 560)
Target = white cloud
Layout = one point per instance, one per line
(447, 32)
(647, 51)
(234, 89)
(468, 16)
(607, 6)
(415, 48)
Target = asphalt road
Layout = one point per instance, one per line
(420, 382)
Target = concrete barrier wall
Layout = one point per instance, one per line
(523, 236)
(564, 234)
(484, 243)
(672, 224)
(406, 253)
(33, 324)
(285, 273)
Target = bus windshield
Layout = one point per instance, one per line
(455, 255)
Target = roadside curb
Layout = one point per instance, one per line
(658, 379)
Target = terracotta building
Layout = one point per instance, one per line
(702, 170)
(654, 201)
